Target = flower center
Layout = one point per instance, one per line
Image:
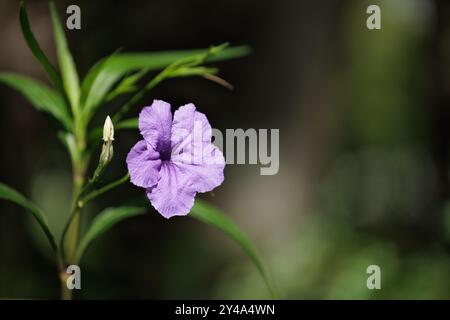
(165, 154)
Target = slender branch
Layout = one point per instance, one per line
(188, 66)
(74, 211)
(76, 207)
(139, 95)
(94, 194)
(79, 204)
(79, 164)
(75, 220)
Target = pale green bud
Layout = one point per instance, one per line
(108, 130)
(107, 148)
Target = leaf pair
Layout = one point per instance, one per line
(111, 216)
(68, 99)
(38, 94)
(104, 221)
(201, 211)
(98, 85)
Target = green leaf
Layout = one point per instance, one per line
(39, 95)
(68, 139)
(212, 216)
(132, 123)
(68, 70)
(103, 222)
(92, 76)
(127, 84)
(9, 194)
(119, 65)
(36, 49)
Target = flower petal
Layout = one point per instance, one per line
(143, 165)
(193, 151)
(205, 173)
(189, 127)
(155, 125)
(174, 194)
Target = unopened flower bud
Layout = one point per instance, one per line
(107, 148)
(106, 154)
(108, 130)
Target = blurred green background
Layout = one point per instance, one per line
(364, 119)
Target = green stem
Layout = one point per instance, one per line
(94, 194)
(74, 224)
(182, 68)
(66, 293)
(79, 164)
(66, 229)
(82, 201)
(139, 95)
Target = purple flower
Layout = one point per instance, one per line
(176, 158)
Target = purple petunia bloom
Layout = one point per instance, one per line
(176, 158)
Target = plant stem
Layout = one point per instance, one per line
(79, 177)
(79, 165)
(138, 96)
(66, 293)
(94, 194)
(77, 206)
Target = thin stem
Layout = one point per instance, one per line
(81, 201)
(78, 204)
(74, 232)
(74, 224)
(139, 95)
(182, 67)
(94, 194)
(80, 163)
(66, 229)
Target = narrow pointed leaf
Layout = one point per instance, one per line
(131, 123)
(212, 216)
(36, 49)
(127, 84)
(105, 221)
(92, 76)
(69, 142)
(40, 96)
(9, 194)
(66, 64)
(119, 65)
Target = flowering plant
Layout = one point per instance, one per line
(164, 162)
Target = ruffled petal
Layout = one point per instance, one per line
(155, 125)
(174, 194)
(193, 151)
(206, 172)
(143, 165)
(189, 128)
